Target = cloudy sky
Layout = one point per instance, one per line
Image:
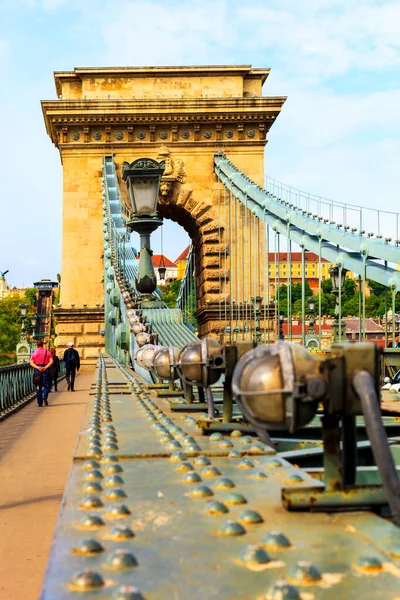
(338, 61)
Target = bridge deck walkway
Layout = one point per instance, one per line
(36, 448)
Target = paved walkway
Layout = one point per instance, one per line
(36, 448)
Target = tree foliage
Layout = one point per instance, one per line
(350, 297)
(10, 323)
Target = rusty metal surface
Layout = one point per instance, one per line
(178, 550)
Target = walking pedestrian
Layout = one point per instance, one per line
(72, 364)
(41, 361)
(55, 370)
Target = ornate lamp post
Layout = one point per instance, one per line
(338, 276)
(256, 301)
(23, 350)
(142, 178)
(311, 339)
(281, 319)
(33, 319)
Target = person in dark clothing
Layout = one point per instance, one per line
(55, 370)
(72, 364)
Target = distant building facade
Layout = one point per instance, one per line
(181, 262)
(171, 273)
(282, 265)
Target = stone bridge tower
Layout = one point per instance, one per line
(183, 115)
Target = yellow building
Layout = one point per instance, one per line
(281, 267)
(181, 262)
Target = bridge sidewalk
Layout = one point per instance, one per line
(36, 447)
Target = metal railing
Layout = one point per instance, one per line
(16, 386)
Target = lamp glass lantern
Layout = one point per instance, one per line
(23, 307)
(33, 319)
(311, 304)
(257, 300)
(142, 178)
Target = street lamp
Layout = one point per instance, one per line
(281, 319)
(311, 310)
(337, 276)
(256, 301)
(33, 319)
(22, 310)
(142, 179)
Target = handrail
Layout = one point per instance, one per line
(16, 386)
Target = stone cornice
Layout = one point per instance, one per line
(62, 116)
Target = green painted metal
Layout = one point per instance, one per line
(209, 523)
(354, 252)
(16, 386)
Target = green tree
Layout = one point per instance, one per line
(377, 288)
(170, 293)
(351, 307)
(10, 323)
(349, 287)
(326, 286)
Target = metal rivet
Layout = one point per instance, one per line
(231, 528)
(274, 463)
(235, 454)
(201, 461)
(225, 444)
(369, 563)
(112, 480)
(173, 445)
(188, 440)
(260, 475)
(166, 437)
(215, 437)
(177, 457)
(128, 592)
(184, 467)
(94, 451)
(201, 491)
(109, 458)
(91, 502)
(210, 471)
(236, 433)
(110, 446)
(256, 449)
(115, 494)
(245, 464)
(110, 469)
(304, 572)
(295, 477)
(94, 475)
(246, 439)
(191, 477)
(275, 540)
(86, 580)
(235, 498)
(119, 533)
(224, 483)
(254, 555)
(250, 517)
(88, 547)
(119, 511)
(121, 559)
(215, 508)
(282, 590)
(192, 448)
(91, 522)
(92, 487)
